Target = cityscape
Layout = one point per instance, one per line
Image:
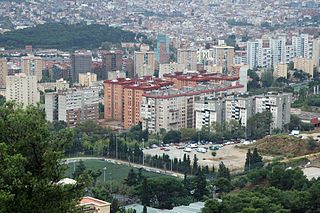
(143, 106)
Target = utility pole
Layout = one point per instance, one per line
(116, 146)
(142, 151)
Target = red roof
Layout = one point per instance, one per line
(192, 93)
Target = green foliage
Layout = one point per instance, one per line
(296, 123)
(253, 160)
(267, 78)
(172, 136)
(201, 183)
(62, 36)
(161, 192)
(259, 125)
(30, 163)
(213, 153)
(223, 185)
(254, 83)
(223, 171)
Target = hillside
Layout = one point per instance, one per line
(285, 145)
(62, 36)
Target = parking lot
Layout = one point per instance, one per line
(232, 157)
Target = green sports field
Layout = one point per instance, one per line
(114, 172)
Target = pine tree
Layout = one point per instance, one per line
(195, 164)
(201, 184)
(248, 163)
(132, 178)
(223, 171)
(256, 159)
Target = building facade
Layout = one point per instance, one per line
(188, 57)
(87, 79)
(73, 106)
(22, 89)
(3, 72)
(80, 63)
(144, 63)
(112, 62)
(32, 65)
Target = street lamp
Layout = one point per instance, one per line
(104, 174)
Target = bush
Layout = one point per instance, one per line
(213, 153)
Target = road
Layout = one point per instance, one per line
(121, 162)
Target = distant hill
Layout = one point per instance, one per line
(63, 36)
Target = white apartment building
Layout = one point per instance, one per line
(279, 106)
(167, 110)
(23, 89)
(73, 105)
(173, 109)
(209, 111)
(267, 52)
(239, 108)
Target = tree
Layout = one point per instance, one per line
(172, 136)
(223, 171)
(195, 164)
(259, 125)
(248, 161)
(253, 160)
(132, 178)
(145, 194)
(80, 169)
(256, 159)
(267, 78)
(30, 163)
(201, 184)
(145, 210)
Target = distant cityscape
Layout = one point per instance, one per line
(184, 77)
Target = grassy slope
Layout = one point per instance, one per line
(284, 145)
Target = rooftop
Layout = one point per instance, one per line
(93, 201)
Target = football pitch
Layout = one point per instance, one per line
(113, 172)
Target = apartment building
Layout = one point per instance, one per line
(73, 106)
(80, 63)
(112, 62)
(209, 111)
(304, 64)
(223, 56)
(278, 104)
(188, 57)
(170, 68)
(22, 89)
(3, 72)
(32, 65)
(144, 63)
(123, 97)
(239, 108)
(173, 108)
(280, 70)
(87, 79)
